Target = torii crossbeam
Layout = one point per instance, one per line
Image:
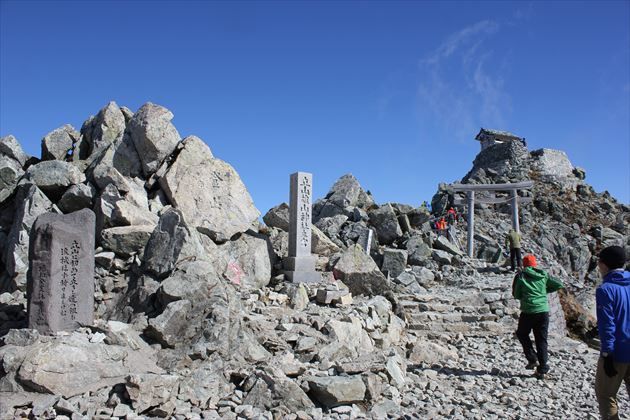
(514, 199)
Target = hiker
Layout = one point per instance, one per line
(451, 216)
(513, 243)
(531, 286)
(613, 323)
(441, 224)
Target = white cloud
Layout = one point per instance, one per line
(461, 84)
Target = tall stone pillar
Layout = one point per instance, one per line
(60, 283)
(300, 264)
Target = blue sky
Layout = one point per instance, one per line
(393, 92)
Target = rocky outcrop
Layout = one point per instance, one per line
(209, 192)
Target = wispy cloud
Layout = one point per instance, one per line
(462, 86)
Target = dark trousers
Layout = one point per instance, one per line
(515, 258)
(540, 324)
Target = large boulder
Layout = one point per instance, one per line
(30, 203)
(107, 127)
(359, 272)
(170, 242)
(418, 250)
(246, 261)
(10, 174)
(126, 240)
(394, 262)
(443, 244)
(278, 217)
(72, 365)
(385, 222)
(58, 143)
(347, 192)
(214, 318)
(154, 136)
(209, 192)
(54, 177)
(77, 197)
(10, 147)
(336, 390)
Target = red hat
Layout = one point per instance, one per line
(529, 261)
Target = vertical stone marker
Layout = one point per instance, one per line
(300, 264)
(60, 286)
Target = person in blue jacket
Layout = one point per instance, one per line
(613, 323)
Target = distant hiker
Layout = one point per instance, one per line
(613, 323)
(531, 287)
(451, 216)
(513, 242)
(441, 226)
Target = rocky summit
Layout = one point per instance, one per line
(193, 317)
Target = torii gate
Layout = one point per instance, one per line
(470, 189)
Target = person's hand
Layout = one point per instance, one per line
(609, 366)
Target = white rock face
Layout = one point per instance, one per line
(552, 162)
(209, 192)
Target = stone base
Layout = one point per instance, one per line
(303, 276)
(303, 263)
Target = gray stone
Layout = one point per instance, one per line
(107, 127)
(116, 161)
(20, 338)
(149, 390)
(128, 214)
(126, 240)
(61, 275)
(104, 208)
(386, 224)
(168, 326)
(321, 244)
(360, 273)
(394, 262)
(424, 276)
(71, 365)
(105, 259)
(270, 392)
(443, 244)
(10, 174)
(214, 318)
(246, 261)
(154, 136)
(209, 192)
(171, 241)
(441, 257)
(337, 390)
(9, 146)
(278, 217)
(54, 177)
(418, 217)
(331, 226)
(30, 203)
(347, 192)
(424, 351)
(57, 143)
(77, 197)
(418, 250)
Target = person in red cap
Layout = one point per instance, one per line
(531, 286)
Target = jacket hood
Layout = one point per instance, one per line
(533, 274)
(619, 277)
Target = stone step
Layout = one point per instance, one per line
(452, 317)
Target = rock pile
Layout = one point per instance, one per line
(193, 318)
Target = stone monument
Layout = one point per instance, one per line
(60, 286)
(300, 264)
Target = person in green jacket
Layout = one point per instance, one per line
(531, 287)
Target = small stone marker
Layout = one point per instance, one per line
(300, 264)
(60, 286)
